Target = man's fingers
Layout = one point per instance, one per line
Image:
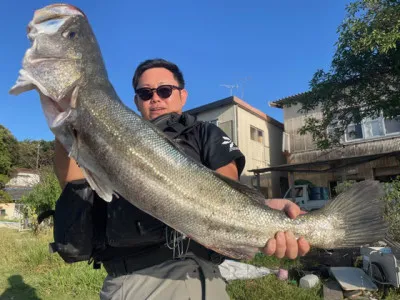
(270, 247)
(291, 245)
(280, 245)
(292, 210)
(304, 246)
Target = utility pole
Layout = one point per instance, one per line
(37, 156)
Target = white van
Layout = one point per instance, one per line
(309, 197)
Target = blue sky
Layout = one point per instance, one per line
(270, 48)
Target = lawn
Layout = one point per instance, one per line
(29, 271)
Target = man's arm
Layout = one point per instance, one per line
(66, 168)
(230, 170)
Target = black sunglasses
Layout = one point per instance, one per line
(163, 91)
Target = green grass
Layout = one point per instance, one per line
(270, 287)
(29, 272)
(7, 219)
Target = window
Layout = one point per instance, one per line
(354, 132)
(298, 192)
(370, 128)
(392, 126)
(256, 134)
(373, 128)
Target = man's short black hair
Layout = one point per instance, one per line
(158, 63)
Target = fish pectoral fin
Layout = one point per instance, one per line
(102, 188)
(242, 253)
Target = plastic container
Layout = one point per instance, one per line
(309, 281)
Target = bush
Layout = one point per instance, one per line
(344, 186)
(3, 180)
(43, 197)
(5, 197)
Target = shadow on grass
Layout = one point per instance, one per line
(18, 290)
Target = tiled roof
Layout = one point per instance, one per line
(240, 103)
(280, 103)
(16, 193)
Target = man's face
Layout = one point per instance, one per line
(157, 106)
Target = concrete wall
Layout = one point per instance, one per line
(25, 179)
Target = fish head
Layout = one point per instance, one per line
(63, 56)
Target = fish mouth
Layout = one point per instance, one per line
(56, 112)
(47, 20)
(55, 11)
(50, 18)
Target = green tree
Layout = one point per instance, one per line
(8, 150)
(45, 194)
(5, 197)
(364, 78)
(33, 154)
(3, 180)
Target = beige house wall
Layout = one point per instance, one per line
(258, 155)
(261, 155)
(222, 114)
(10, 212)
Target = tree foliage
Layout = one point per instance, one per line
(364, 78)
(45, 194)
(29, 154)
(8, 150)
(35, 154)
(5, 197)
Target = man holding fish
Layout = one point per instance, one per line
(160, 97)
(175, 207)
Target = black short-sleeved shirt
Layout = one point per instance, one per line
(205, 142)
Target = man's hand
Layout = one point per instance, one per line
(284, 244)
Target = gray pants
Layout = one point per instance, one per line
(191, 278)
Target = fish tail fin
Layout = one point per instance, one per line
(359, 215)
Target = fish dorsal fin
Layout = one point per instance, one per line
(242, 188)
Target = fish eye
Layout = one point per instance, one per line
(70, 34)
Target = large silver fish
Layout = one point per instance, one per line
(123, 154)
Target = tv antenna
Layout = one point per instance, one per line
(230, 86)
(244, 80)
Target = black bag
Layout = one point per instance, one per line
(75, 237)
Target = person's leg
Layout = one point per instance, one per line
(192, 279)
